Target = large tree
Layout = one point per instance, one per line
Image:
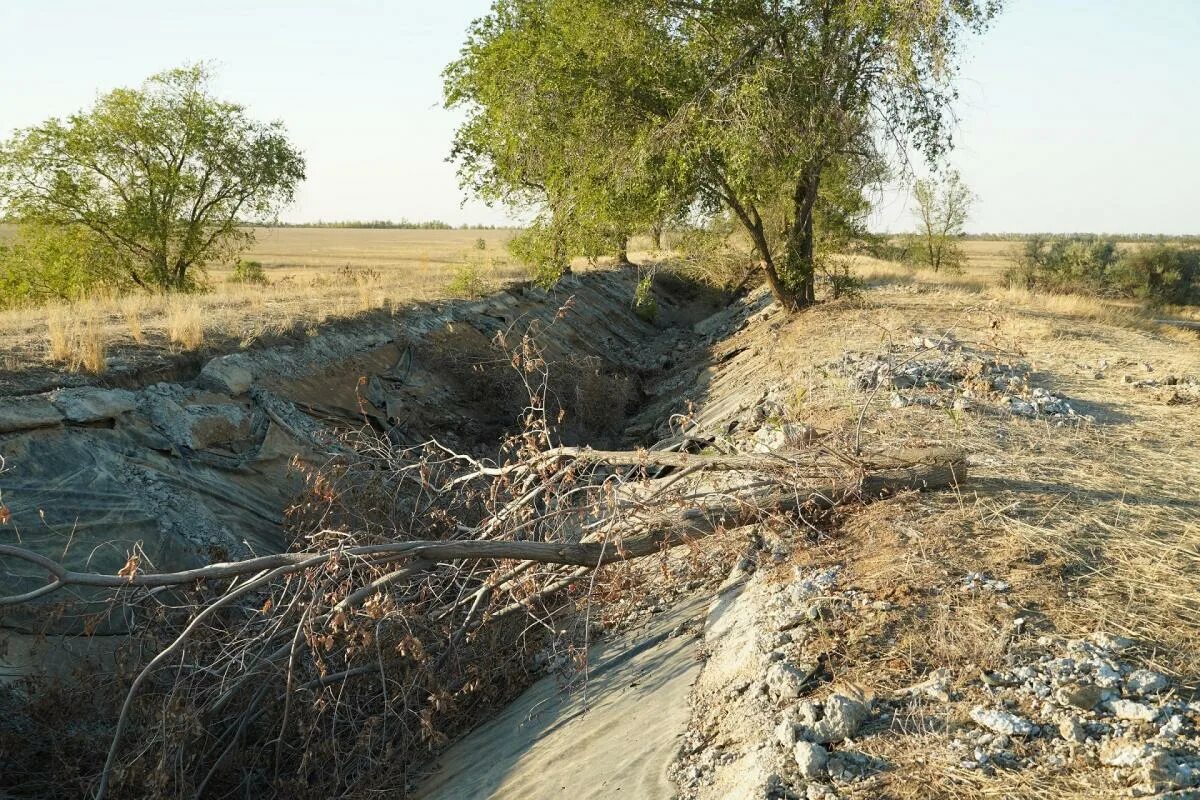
(163, 177)
(750, 104)
(560, 107)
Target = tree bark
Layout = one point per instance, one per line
(801, 245)
(622, 258)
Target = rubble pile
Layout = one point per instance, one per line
(945, 373)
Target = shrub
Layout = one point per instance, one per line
(1162, 274)
(644, 303)
(467, 282)
(542, 248)
(842, 282)
(1082, 264)
(249, 272)
(481, 243)
(47, 263)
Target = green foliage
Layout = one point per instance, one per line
(249, 272)
(542, 248)
(1086, 265)
(622, 115)
(164, 176)
(837, 273)
(554, 93)
(1093, 265)
(1162, 274)
(644, 303)
(468, 282)
(47, 263)
(941, 211)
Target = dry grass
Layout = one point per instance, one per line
(1096, 526)
(316, 276)
(185, 323)
(77, 336)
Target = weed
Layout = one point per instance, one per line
(185, 323)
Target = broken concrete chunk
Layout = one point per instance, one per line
(1144, 681)
(842, 717)
(229, 374)
(1131, 710)
(1071, 729)
(810, 758)
(1001, 721)
(26, 413)
(784, 680)
(1079, 695)
(1123, 752)
(90, 404)
(785, 732)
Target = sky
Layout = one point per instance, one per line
(1074, 115)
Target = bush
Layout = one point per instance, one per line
(1080, 264)
(1157, 274)
(481, 243)
(249, 272)
(644, 304)
(842, 282)
(468, 282)
(47, 263)
(542, 248)
(1162, 274)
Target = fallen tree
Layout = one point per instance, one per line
(411, 625)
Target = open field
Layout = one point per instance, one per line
(320, 275)
(315, 275)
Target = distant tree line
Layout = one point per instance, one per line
(402, 224)
(1083, 235)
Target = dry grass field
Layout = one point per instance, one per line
(315, 275)
(319, 275)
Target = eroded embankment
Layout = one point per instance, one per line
(180, 474)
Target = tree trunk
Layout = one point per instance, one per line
(656, 233)
(801, 245)
(622, 258)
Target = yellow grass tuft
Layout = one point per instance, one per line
(131, 309)
(185, 323)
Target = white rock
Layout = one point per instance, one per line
(1131, 710)
(785, 732)
(1001, 721)
(1144, 681)
(1071, 730)
(1123, 753)
(1107, 641)
(810, 758)
(842, 717)
(784, 680)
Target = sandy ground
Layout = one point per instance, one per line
(617, 739)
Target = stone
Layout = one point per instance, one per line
(1001, 721)
(1123, 752)
(89, 404)
(1144, 681)
(784, 680)
(841, 719)
(26, 413)
(785, 732)
(1071, 730)
(228, 374)
(810, 758)
(1110, 642)
(1132, 710)
(1079, 695)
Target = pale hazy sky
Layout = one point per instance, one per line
(1075, 114)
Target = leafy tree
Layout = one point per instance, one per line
(163, 176)
(941, 211)
(745, 105)
(558, 102)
